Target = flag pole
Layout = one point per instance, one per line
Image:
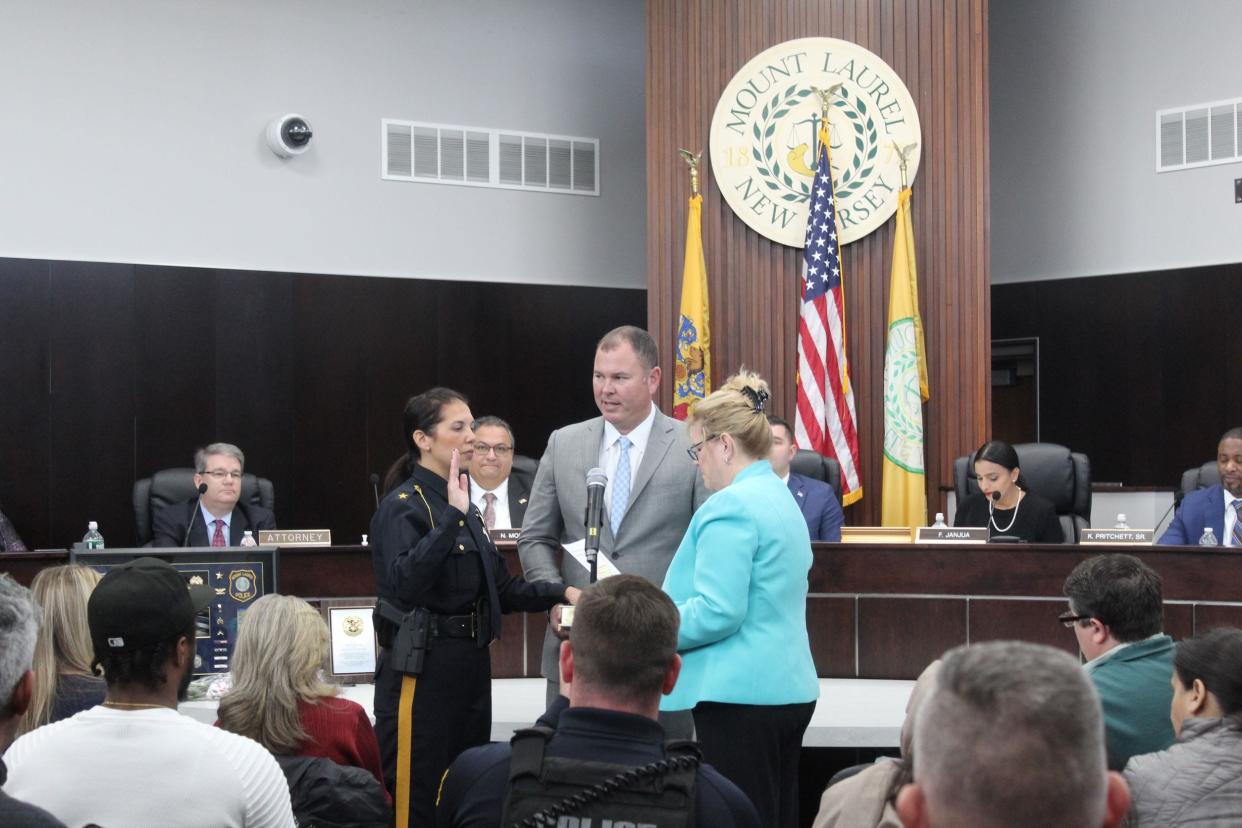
(692, 161)
(903, 154)
(825, 101)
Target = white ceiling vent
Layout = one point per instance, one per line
(1199, 135)
(481, 157)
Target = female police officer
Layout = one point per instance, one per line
(442, 586)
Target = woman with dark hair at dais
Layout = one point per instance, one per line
(1004, 504)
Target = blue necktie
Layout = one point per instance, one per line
(1237, 524)
(620, 486)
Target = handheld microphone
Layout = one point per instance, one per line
(198, 507)
(596, 481)
(375, 486)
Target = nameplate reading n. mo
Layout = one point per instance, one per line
(763, 137)
(295, 537)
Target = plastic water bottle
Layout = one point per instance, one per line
(1208, 538)
(248, 539)
(1121, 522)
(92, 539)
(365, 541)
(939, 523)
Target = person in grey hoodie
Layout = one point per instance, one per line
(1197, 781)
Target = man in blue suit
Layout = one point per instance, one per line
(816, 499)
(1217, 506)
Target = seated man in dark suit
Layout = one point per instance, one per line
(815, 498)
(1219, 507)
(217, 517)
(498, 491)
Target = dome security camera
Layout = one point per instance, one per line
(289, 135)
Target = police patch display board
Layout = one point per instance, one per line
(237, 576)
(763, 137)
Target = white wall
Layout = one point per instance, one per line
(131, 131)
(1075, 85)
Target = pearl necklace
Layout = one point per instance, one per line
(1012, 521)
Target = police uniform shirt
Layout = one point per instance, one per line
(425, 554)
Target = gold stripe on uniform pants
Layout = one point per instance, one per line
(405, 712)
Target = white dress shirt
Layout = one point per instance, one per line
(1231, 517)
(503, 520)
(610, 452)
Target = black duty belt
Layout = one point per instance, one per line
(454, 626)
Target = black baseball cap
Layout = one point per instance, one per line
(142, 602)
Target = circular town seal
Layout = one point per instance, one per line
(763, 137)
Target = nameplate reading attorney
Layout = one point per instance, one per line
(1118, 537)
(295, 537)
(951, 534)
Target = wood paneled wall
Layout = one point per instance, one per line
(939, 48)
(1137, 370)
(113, 371)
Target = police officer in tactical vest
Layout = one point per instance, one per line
(598, 758)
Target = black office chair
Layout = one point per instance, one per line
(812, 464)
(1049, 470)
(1200, 477)
(525, 466)
(169, 486)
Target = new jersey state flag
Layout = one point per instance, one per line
(692, 378)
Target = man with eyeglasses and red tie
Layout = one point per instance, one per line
(217, 516)
(499, 492)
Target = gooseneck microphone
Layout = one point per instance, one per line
(375, 486)
(596, 481)
(198, 507)
(1172, 506)
(995, 495)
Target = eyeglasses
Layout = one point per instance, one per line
(1069, 619)
(693, 451)
(220, 474)
(500, 448)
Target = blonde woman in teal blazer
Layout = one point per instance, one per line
(739, 580)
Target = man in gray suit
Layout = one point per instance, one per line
(653, 487)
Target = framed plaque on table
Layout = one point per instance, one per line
(353, 646)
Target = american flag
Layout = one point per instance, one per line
(825, 420)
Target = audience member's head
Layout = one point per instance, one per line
(493, 452)
(219, 467)
(625, 376)
(784, 447)
(64, 642)
(19, 627)
(1114, 599)
(1011, 735)
(1207, 677)
(282, 645)
(141, 616)
(622, 647)
(1229, 461)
